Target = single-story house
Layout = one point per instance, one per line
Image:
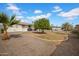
(56, 28)
(21, 27)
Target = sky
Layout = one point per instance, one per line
(57, 13)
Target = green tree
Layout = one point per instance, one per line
(51, 26)
(67, 27)
(30, 25)
(42, 24)
(7, 22)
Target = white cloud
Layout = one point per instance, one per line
(39, 16)
(22, 19)
(37, 11)
(57, 9)
(48, 15)
(17, 11)
(23, 12)
(70, 14)
(19, 17)
(12, 7)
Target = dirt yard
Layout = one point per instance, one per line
(30, 44)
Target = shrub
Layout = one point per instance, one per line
(76, 32)
(67, 26)
(1, 30)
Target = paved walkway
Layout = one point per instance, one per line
(69, 47)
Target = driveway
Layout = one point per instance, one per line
(25, 45)
(68, 47)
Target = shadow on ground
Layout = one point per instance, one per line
(15, 35)
(69, 47)
(40, 32)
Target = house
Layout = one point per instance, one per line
(56, 28)
(21, 27)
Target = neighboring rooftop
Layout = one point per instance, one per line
(23, 23)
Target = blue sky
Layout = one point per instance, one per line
(57, 13)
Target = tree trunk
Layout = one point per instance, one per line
(5, 33)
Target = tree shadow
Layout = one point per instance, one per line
(69, 47)
(0, 36)
(15, 35)
(39, 32)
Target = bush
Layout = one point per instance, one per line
(76, 32)
(1, 30)
(67, 26)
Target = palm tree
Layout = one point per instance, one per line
(7, 22)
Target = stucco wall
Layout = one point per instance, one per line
(17, 28)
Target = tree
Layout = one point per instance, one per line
(51, 26)
(42, 24)
(67, 27)
(7, 22)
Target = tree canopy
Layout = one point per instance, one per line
(67, 27)
(42, 24)
(7, 22)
